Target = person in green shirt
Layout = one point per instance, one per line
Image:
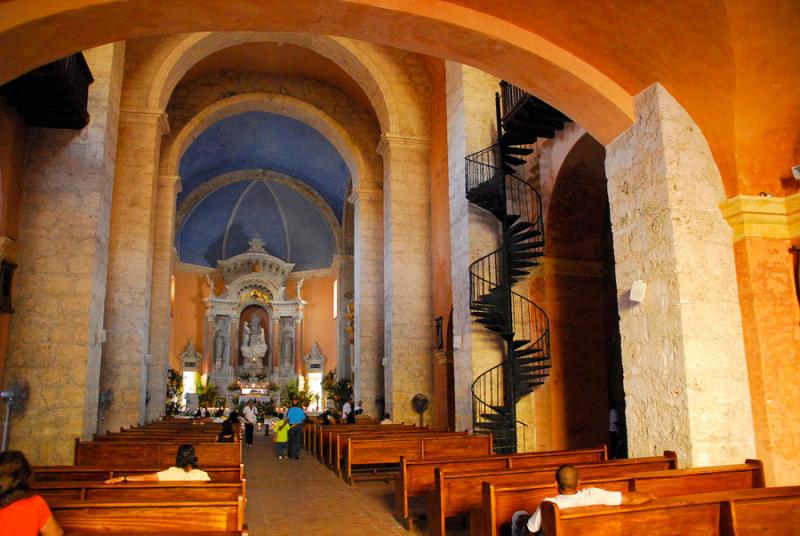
(281, 436)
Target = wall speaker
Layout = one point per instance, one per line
(638, 290)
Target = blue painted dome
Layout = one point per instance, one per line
(253, 140)
(292, 227)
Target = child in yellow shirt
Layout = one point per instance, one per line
(281, 436)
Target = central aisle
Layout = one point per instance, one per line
(295, 498)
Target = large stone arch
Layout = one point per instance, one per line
(443, 29)
(343, 52)
(285, 105)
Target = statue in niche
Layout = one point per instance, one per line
(287, 354)
(219, 349)
(254, 344)
(299, 288)
(281, 293)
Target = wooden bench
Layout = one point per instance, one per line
(499, 502)
(456, 494)
(72, 473)
(59, 492)
(773, 511)
(157, 454)
(311, 431)
(330, 438)
(340, 442)
(89, 517)
(363, 451)
(416, 478)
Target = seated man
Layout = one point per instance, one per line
(569, 497)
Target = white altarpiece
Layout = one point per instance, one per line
(263, 350)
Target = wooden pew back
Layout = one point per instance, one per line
(142, 517)
(114, 454)
(500, 502)
(417, 477)
(72, 473)
(457, 493)
(59, 492)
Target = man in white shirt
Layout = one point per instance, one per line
(569, 496)
(249, 413)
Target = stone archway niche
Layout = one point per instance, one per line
(247, 324)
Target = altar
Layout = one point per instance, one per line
(253, 332)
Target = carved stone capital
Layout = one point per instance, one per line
(753, 216)
(365, 194)
(391, 142)
(170, 181)
(158, 118)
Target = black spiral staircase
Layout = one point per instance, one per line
(523, 326)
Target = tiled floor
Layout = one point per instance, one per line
(298, 498)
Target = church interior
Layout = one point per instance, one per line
(528, 215)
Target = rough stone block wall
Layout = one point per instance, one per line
(130, 269)
(474, 232)
(55, 341)
(408, 305)
(683, 356)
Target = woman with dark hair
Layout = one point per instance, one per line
(185, 468)
(226, 435)
(22, 513)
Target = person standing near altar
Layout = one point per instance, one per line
(295, 416)
(249, 413)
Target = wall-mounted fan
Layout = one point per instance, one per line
(15, 397)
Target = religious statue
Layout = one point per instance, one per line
(219, 349)
(287, 355)
(254, 343)
(299, 288)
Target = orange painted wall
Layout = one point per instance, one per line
(188, 314)
(444, 402)
(771, 317)
(319, 324)
(12, 160)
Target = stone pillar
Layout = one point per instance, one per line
(685, 371)
(233, 352)
(130, 267)
(764, 229)
(344, 276)
(408, 301)
(298, 346)
(60, 286)
(368, 277)
(474, 232)
(276, 343)
(161, 311)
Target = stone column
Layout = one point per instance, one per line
(685, 372)
(60, 286)
(408, 301)
(344, 276)
(368, 277)
(276, 343)
(160, 313)
(233, 352)
(130, 267)
(474, 232)
(298, 346)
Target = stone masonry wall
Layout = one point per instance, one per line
(474, 232)
(55, 341)
(683, 356)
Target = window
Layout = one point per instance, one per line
(335, 298)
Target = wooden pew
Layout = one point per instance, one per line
(388, 450)
(340, 442)
(89, 517)
(416, 478)
(456, 494)
(59, 492)
(87, 473)
(499, 502)
(157, 454)
(329, 434)
(774, 511)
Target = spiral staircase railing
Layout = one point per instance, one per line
(523, 326)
